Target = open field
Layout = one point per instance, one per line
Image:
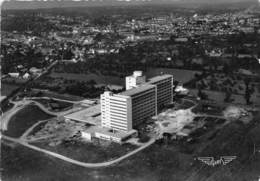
(178, 74)
(24, 119)
(100, 79)
(181, 75)
(220, 96)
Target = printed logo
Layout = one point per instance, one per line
(224, 160)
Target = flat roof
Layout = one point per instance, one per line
(136, 90)
(89, 115)
(107, 131)
(158, 78)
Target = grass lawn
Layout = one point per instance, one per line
(24, 119)
(89, 151)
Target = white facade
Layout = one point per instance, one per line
(134, 80)
(125, 110)
(86, 135)
(121, 112)
(116, 111)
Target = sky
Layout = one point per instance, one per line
(34, 4)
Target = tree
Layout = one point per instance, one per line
(227, 96)
(248, 92)
(202, 95)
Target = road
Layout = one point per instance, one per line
(76, 162)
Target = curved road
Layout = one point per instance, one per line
(79, 163)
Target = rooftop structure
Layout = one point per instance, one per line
(89, 115)
(134, 91)
(159, 78)
(134, 80)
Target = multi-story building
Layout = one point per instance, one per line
(143, 102)
(116, 111)
(128, 109)
(164, 84)
(121, 113)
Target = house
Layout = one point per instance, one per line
(34, 70)
(14, 74)
(26, 76)
(181, 40)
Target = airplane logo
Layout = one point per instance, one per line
(224, 160)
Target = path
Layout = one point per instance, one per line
(52, 98)
(25, 134)
(79, 163)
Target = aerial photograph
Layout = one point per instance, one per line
(130, 90)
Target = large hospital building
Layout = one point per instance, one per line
(141, 100)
